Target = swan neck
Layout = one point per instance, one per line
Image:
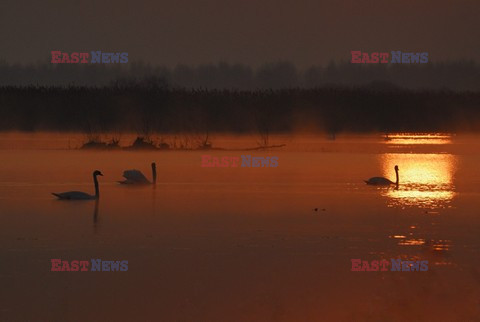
(97, 191)
(396, 173)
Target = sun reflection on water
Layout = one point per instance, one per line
(418, 138)
(426, 180)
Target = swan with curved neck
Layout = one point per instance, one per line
(136, 177)
(79, 195)
(381, 181)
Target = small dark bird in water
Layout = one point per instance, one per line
(316, 209)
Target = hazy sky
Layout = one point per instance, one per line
(306, 32)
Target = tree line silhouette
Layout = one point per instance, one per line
(149, 106)
(455, 75)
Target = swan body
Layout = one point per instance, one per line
(79, 195)
(381, 181)
(136, 177)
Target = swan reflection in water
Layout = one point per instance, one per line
(95, 216)
(95, 212)
(427, 179)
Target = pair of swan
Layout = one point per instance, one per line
(134, 177)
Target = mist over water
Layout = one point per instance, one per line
(243, 243)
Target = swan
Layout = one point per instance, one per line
(381, 181)
(137, 177)
(79, 195)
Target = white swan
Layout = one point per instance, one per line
(79, 195)
(137, 177)
(381, 181)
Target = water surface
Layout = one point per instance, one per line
(243, 244)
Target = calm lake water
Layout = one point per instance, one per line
(243, 244)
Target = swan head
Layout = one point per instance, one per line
(97, 173)
(396, 168)
(154, 165)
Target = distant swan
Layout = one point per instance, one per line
(78, 195)
(381, 181)
(137, 177)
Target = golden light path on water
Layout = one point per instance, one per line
(409, 138)
(426, 180)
